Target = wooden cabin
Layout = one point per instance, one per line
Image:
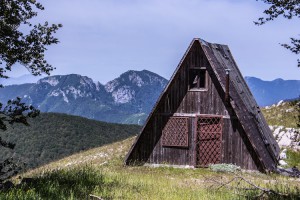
(206, 115)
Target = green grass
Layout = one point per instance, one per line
(283, 115)
(101, 172)
(79, 183)
(142, 183)
(293, 158)
(59, 184)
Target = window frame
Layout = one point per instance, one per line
(197, 88)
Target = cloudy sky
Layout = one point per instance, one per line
(104, 38)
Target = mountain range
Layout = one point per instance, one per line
(126, 99)
(270, 92)
(27, 78)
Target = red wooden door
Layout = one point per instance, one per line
(208, 140)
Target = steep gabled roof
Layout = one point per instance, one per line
(242, 102)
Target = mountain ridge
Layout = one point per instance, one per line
(128, 98)
(270, 92)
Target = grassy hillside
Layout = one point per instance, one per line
(101, 172)
(284, 115)
(52, 136)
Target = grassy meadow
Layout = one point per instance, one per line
(100, 172)
(283, 115)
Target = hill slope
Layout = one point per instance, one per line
(53, 136)
(100, 172)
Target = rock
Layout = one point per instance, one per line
(292, 172)
(282, 155)
(286, 137)
(284, 140)
(94, 197)
(280, 103)
(277, 130)
(282, 163)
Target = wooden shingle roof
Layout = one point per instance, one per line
(242, 103)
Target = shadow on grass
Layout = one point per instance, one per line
(77, 183)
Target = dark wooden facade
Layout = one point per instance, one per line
(193, 124)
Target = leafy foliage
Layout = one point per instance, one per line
(79, 95)
(9, 168)
(24, 47)
(287, 9)
(15, 112)
(19, 47)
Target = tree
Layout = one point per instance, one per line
(288, 9)
(24, 43)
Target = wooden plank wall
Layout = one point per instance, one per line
(235, 146)
(178, 100)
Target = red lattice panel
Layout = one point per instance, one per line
(175, 132)
(209, 140)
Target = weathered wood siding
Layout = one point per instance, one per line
(236, 147)
(178, 100)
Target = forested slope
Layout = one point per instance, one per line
(53, 136)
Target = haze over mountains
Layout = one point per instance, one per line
(270, 92)
(126, 99)
(27, 78)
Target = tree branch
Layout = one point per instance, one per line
(235, 184)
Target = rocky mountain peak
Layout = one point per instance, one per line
(69, 87)
(126, 99)
(51, 80)
(128, 85)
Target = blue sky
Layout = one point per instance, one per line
(104, 38)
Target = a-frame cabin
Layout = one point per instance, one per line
(206, 115)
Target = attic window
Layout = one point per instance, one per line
(197, 79)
